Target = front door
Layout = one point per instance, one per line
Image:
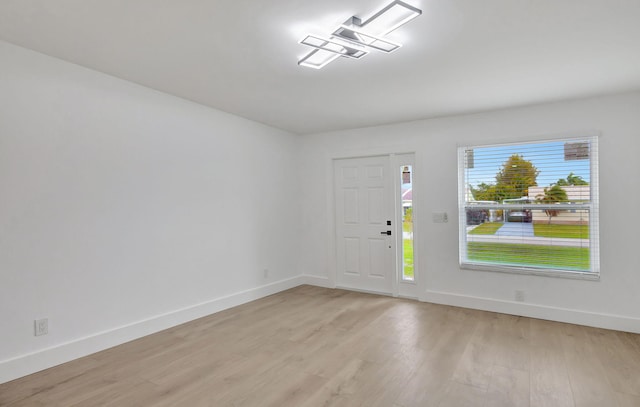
(365, 236)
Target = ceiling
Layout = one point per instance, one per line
(240, 56)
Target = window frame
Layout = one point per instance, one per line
(592, 207)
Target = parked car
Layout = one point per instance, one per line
(522, 215)
(477, 216)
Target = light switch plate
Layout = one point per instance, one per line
(440, 217)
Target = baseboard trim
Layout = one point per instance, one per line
(572, 316)
(317, 281)
(43, 359)
(24, 365)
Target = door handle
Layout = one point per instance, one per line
(388, 233)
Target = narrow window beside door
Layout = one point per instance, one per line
(406, 191)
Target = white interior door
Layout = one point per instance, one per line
(364, 209)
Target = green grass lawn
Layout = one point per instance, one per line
(539, 230)
(486, 228)
(407, 254)
(562, 257)
(569, 231)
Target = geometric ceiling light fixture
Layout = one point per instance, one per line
(327, 50)
(318, 58)
(342, 48)
(394, 15)
(355, 38)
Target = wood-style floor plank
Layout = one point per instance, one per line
(312, 346)
(550, 385)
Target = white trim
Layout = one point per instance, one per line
(392, 184)
(369, 152)
(324, 283)
(364, 290)
(571, 316)
(317, 281)
(23, 365)
(462, 217)
(550, 272)
(594, 191)
(332, 261)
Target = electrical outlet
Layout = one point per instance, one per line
(41, 326)
(519, 295)
(266, 273)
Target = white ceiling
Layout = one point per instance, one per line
(240, 56)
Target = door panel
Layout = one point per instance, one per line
(377, 264)
(364, 203)
(375, 198)
(352, 255)
(351, 205)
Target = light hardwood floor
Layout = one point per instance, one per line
(312, 346)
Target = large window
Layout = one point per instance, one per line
(530, 207)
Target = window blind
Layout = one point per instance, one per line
(530, 207)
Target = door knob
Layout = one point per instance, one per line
(388, 233)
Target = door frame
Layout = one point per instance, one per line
(418, 285)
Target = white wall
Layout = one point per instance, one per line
(124, 210)
(611, 302)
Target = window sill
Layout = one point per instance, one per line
(575, 275)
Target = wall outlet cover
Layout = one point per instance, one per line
(41, 326)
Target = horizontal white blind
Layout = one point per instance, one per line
(530, 207)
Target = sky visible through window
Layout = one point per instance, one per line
(548, 158)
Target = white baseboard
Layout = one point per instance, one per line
(572, 316)
(43, 359)
(317, 281)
